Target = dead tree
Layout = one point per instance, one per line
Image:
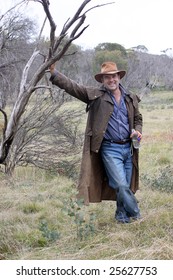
(57, 49)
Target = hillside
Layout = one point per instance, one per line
(40, 219)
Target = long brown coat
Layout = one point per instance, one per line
(93, 186)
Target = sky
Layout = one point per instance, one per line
(126, 22)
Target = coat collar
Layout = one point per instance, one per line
(107, 95)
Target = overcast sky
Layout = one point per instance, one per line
(126, 22)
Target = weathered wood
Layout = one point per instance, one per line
(54, 54)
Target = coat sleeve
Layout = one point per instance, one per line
(138, 120)
(80, 92)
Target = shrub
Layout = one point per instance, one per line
(84, 221)
(47, 233)
(163, 181)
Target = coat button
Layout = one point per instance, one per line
(97, 151)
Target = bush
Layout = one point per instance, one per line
(84, 221)
(163, 181)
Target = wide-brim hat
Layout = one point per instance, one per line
(109, 68)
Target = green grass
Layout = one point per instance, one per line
(40, 218)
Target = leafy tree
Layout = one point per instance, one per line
(140, 48)
(110, 52)
(111, 47)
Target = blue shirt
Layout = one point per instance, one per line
(118, 125)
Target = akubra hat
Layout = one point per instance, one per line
(109, 68)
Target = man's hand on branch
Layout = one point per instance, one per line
(52, 68)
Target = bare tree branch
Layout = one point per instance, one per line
(9, 10)
(27, 87)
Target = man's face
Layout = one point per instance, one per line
(111, 81)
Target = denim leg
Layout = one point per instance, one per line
(121, 214)
(118, 165)
(127, 198)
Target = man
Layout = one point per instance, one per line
(109, 168)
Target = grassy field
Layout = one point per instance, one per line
(40, 218)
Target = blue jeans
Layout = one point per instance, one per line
(117, 160)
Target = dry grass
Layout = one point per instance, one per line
(38, 211)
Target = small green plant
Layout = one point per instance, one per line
(84, 221)
(50, 235)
